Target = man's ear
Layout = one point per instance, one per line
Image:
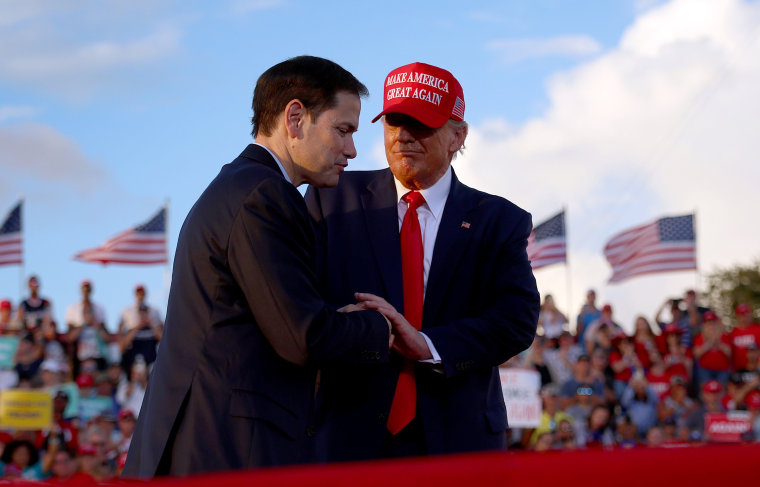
(460, 134)
(295, 113)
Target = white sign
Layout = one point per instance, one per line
(521, 395)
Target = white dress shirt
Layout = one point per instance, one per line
(282, 168)
(429, 215)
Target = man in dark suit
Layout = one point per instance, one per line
(473, 285)
(246, 327)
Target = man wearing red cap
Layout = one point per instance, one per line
(450, 258)
(745, 334)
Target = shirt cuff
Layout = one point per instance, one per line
(436, 357)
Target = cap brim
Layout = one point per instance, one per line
(427, 117)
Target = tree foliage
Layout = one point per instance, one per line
(728, 287)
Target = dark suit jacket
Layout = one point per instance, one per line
(246, 328)
(481, 308)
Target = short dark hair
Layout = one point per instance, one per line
(312, 80)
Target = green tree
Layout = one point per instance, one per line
(728, 287)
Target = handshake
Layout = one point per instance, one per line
(405, 339)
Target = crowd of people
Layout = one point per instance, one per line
(96, 379)
(601, 387)
(656, 386)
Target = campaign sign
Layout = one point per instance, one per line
(727, 427)
(22, 409)
(521, 395)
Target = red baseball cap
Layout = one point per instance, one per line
(709, 316)
(85, 380)
(712, 387)
(607, 307)
(427, 93)
(87, 449)
(5, 304)
(671, 328)
(743, 309)
(752, 399)
(126, 413)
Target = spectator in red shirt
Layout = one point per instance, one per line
(8, 326)
(745, 334)
(645, 342)
(712, 350)
(66, 470)
(624, 362)
(677, 357)
(659, 379)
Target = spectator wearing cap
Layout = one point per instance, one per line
(551, 321)
(8, 325)
(601, 331)
(34, 310)
(581, 408)
(87, 334)
(561, 359)
(480, 300)
(746, 333)
(52, 373)
(588, 314)
(645, 343)
(140, 331)
(678, 358)
(126, 421)
(677, 404)
(677, 317)
(103, 455)
(63, 431)
(581, 376)
(712, 351)
(639, 402)
(551, 414)
(711, 392)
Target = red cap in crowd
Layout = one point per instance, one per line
(607, 308)
(712, 387)
(86, 283)
(85, 380)
(87, 449)
(139, 287)
(126, 413)
(752, 399)
(743, 309)
(672, 328)
(709, 316)
(427, 93)
(5, 304)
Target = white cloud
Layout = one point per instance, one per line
(78, 48)
(11, 112)
(514, 50)
(663, 124)
(32, 155)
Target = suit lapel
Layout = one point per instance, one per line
(381, 219)
(454, 234)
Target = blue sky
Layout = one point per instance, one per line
(622, 111)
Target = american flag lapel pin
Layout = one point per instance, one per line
(465, 224)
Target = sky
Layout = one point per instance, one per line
(621, 112)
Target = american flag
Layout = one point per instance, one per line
(458, 109)
(546, 244)
(144, 244)
(10, 238)
(667, 244)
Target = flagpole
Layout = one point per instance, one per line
(167, 265)
(568, 280)
(23, 255)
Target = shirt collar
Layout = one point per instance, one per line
(282, 168)
(435, 196)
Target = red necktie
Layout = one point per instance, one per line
(404, 406)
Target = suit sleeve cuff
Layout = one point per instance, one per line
(436, 357)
